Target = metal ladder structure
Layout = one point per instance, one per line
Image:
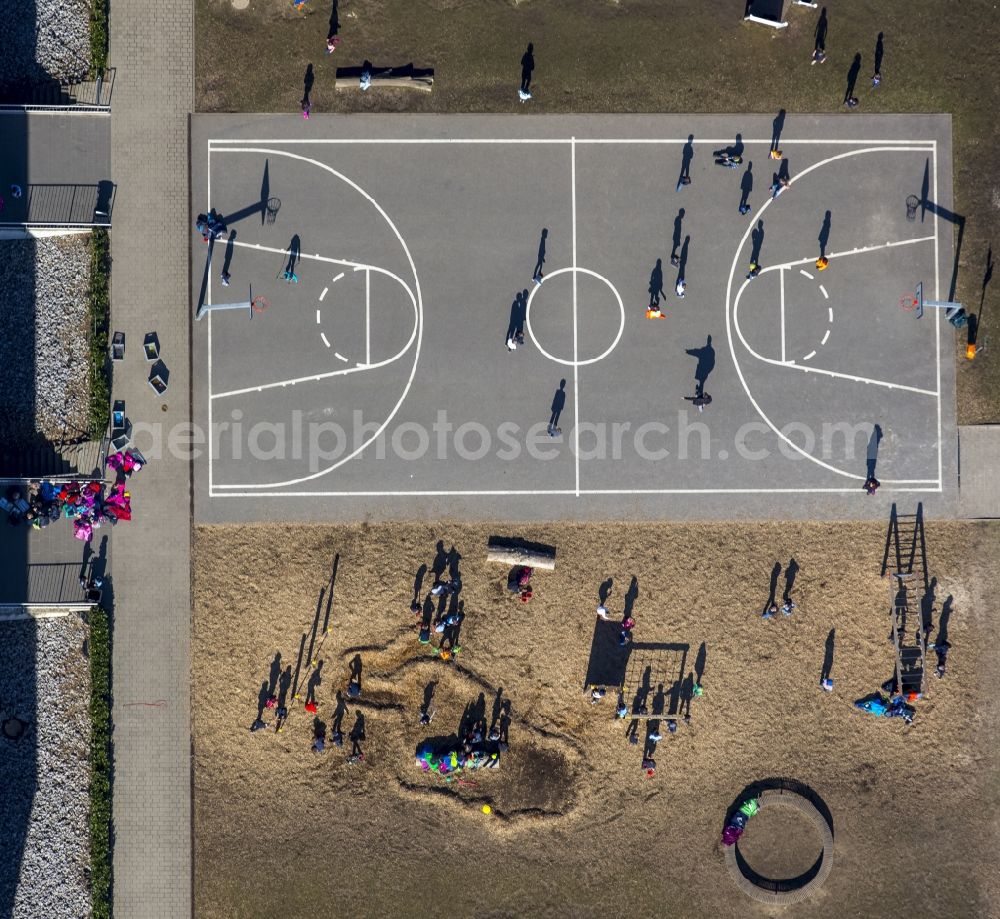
(905, 564)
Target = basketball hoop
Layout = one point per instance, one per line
(271, 209)
(908, 303)
(259, 304)
(912, 203)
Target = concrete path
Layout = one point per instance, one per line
(152, 46)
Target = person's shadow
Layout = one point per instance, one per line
(699, 663)
(294, 251)
(230, 248)
(527, 67)
(315, 680)
(879, 51)
(756, 242)
(274, 675)
(746, 186)
(338, 713)
(683, 259)
(791, 572)
(334, 21)
(706, 364)
(656, 284)
(536, 274)
(518, 309)
(735, 149)
(824, 235)
(821, 29)
(777, 126)
(357, 734)
(687, 154)
(631, 595)
(828, 656)
(852, 76)
(676, 241)
(558, 404)
(873, 444)
(307, 84)
(773, 589)
(284, 684)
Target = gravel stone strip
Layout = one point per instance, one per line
(45, 679)
(44, 39)
(44, 387)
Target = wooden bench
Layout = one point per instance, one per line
(405, 77)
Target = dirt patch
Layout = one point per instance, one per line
(780, 843)
(571, 803)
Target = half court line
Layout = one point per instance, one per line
(576, 353)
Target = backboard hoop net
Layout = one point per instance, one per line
(259, 304)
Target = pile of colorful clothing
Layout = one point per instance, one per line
(456, 758)
(738, 821)
(87, 504)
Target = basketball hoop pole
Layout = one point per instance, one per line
(246, 304)
(952, 309)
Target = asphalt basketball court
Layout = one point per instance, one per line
(380, 385)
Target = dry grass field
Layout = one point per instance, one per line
(577, 827)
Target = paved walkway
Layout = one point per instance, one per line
(152, 46)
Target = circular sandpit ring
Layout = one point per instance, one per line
(765, 890)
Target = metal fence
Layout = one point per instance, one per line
(92, 95)
(62, 205)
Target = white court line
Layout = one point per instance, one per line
(731, 308)
(861, 250)
(223, 142)
(829, 311)
(339, 356)
(826, 296)
(318, 319)
(368, 317)
(781, 275)
(825, 337)
(208, 197)
(805, 273)
(809, 356)
(322, 295)
(337, 278)
(576, 354)
(571, 493)
(416, 299)
(323, 336)
(937, 320)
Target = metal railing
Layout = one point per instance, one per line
(66, 205)
(91, 95)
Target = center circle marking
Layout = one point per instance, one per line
(590, 360)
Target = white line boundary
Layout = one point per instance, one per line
(888, 144)
(568, 492)
(223, 142)
(576, 349)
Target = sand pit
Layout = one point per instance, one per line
(576, 828)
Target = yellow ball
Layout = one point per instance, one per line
(487, 809)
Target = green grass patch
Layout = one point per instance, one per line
(98, 36)
(99, 307)
(100, 763)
